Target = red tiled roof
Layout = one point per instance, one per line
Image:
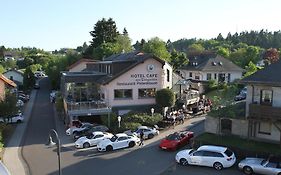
(7, 81)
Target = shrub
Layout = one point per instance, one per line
(143, 119)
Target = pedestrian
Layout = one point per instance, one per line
(174, 121)
(141, 138)
(181, 118)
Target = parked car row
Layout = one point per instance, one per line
(220, 157)
(87, 135)
(18, 118)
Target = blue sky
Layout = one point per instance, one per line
(54, 24)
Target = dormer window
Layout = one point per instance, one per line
(220, 63)
(214, 63)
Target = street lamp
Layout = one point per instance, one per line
(152, 111)
(50, 143)
(119, 120)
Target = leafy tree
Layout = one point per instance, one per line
(2, 69)
(165, 98)
(104, 50)
(28, 61)
(28, 78)
(223, 52)
(157, 47)
(8, 106)
(196, 47)
(123, 43)
(10, 64)
(104, 31)
(178, 59)
(271, 55)
(250, 69)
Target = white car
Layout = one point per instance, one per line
(72, 130)
(92, 140)
(118, 141)
(208, 155)
(148, 132)
(14, 119)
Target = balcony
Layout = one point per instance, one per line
(264, 112)
(88, 108)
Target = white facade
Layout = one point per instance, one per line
(15, 76)
(230, 76)
(145, 76)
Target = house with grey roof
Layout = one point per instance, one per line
(15, 75)
(261, 117)
(119, 83)
(210, 67)
(263, 103)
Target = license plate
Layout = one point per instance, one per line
(164, 147)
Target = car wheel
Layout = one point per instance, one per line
(109, 148)
(132, 144)
(18, 121)
(150, 136)
(75, 136)
(279, 173)
(86, 145)
(218, 166)
(248, 170)
(183, 162)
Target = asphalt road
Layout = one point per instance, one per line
(148, 160)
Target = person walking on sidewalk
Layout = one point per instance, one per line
(141, 138)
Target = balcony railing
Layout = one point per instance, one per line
(257, 111)
(88, 108)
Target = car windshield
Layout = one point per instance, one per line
(113, 138)
(172, 137)
(228, 152)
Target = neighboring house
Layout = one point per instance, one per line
(80, 65)
(262, 118)
(8, 57)
(210, 67)
(120, 83)
(4, 84)
(15, 75)
(263, 103)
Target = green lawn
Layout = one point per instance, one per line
(239, 143)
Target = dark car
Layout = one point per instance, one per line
(36, 86)
(89, 130)
(241, 96)
(176, 140)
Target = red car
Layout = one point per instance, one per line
(176, 140)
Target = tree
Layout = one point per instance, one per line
(250, 69)
(123, 43)
(8, 106)
(28, 78)
(220, 37)
(2, 69)
(178, 59)
(223, 52)
(104, 31)
(157, 47)
(165, 98)
(271, 55)
(196, 47)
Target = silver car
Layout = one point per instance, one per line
(147, 131)
(260, 166)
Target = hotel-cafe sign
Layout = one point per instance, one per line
(148, 78)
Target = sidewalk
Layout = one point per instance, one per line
(12, 157)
